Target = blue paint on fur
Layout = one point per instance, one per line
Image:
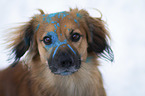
(59, 14)
(65, 26)
(79, 15)
(75, 20)
(53, 21)
(55, 51)
(37, 27)
(48, 19)
(58, 44)
(54, 38)
(60, 34)
(88, 59)
(68, 29)
(64, 15)
(58, 25)
(66, 73)
(71, 48)
(50, 50)
(43, 17)
(55, 42)
(55, 28)
(52, 15)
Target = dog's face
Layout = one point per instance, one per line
(63, 40)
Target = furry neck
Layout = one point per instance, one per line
(86, 82)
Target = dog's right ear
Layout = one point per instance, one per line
(21, 40)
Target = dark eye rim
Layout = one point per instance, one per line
(47, 43)
(77, 39)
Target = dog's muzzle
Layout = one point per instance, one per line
(65, 61)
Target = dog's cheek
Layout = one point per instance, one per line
(83, 49)
(42, 53)
(84, 56)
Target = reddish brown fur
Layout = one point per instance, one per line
(32, 77)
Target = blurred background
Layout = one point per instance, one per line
(126, 23)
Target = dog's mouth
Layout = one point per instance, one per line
(64, 71)
(65, 62)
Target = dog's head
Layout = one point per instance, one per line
(62, 40)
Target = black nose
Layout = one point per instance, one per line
(66, 61)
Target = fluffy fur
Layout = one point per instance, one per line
(32, 76)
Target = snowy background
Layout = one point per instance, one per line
(126, 22)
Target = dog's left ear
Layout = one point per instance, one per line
(97, 36)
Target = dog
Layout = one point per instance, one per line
(57, 55)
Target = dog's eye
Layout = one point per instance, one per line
(47, 40)
(75, 37)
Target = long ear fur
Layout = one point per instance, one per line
(98, 41)
(97, 36)
(21, 40)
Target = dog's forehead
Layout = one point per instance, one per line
(60, 22)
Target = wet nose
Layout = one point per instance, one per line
(66, 61)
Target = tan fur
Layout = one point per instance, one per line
(32, 76)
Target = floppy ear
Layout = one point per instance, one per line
(21, 41)
(97, 38)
